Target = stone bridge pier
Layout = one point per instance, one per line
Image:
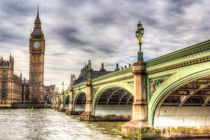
(69, 111)
(139, 108)
(88, 104)
(61, 107)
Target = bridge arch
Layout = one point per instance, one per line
(66, 102)
(158, 98)
(79, 102)
(59, 101)
(113, 100)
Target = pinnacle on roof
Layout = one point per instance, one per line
(117, 67)
(102, 67)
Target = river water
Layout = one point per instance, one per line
(48, 124)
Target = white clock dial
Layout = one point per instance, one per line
(36, 44)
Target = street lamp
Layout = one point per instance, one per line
(89, 70)
(139, 35)
(71, 81)
(62, 88)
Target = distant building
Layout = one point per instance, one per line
(49, 92)
(25, 91)
(94, 74)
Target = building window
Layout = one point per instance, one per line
(3, 94)
(4, 85)
(3, 90)
(4, 73)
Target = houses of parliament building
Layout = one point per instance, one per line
(14, 90)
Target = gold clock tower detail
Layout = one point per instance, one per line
(36, 74)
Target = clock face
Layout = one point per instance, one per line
(36, 44)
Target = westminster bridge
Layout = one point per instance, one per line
(168, 95)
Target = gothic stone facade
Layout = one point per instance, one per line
(10, 84)
(14, 90)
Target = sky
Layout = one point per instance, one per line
(100, 30)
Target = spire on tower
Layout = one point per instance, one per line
(37, 16)
(37, 25)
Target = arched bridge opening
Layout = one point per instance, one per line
(66, 102)
(114, 101)
(80, 103)
(188, 105)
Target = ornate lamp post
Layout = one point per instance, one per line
(139, 35)
(89, 70)
(62, 87)
(139, 123)
(71, 81)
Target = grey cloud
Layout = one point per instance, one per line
(106, 48)
(75, 3)
(102, 20)
(178, 6)
(20, 8)
(88, 50)
(58, 54)
(68, 34)
(150, 21)
(7, 36)
(74, 40)
(104, 30)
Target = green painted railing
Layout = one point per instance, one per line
(113, 74)
(194, 49)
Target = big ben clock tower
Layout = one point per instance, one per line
(36, 68)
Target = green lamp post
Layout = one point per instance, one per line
(71, 81)
(62, 87)
(139, 35)
(89, 70)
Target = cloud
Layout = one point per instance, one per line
(103, 31)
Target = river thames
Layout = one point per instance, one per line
(48, 124)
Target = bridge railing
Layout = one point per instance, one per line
(108, 76)
(113, 74)
(188, 56)
(194, 49)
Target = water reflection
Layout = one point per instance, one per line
(45, 124)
